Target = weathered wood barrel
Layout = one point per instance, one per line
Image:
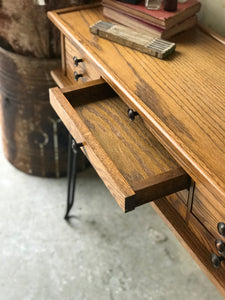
(25, 26)
(34, 139)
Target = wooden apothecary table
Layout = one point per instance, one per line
(180, 101)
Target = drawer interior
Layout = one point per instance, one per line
(125, 154)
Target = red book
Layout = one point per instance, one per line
(160, 18)
(147, 27)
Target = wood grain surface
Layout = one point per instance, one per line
(176, 201)
(119, 149)
(60, 79)
(180, 101)
(181, 98)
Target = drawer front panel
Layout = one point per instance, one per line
(119, 188)
(208, 209)
(83, 68)
(132, 163)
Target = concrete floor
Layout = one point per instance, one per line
(102, 254)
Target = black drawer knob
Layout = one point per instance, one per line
(216, 260)
(132, 114)
(221, 228)
(220, 246)
(77, 76)
(77, 60)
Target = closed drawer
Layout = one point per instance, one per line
(83, 68)
(131, 162)
(208, 209)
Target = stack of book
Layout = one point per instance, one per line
(160, 23)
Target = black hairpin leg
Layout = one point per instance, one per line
(71, 173)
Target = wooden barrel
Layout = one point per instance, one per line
(25, 26)
(34, 139)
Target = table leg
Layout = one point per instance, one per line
(71, 173)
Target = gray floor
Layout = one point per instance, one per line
(102, 255)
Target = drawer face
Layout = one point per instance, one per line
(208, 209)
(131, 162)
(84, 68)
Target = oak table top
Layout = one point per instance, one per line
(180, 98)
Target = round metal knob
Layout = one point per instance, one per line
(77, 60)
(221, 228)
(216, 260)
(220, 246)
(77, 76)
(132, 114)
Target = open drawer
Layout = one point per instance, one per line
(131, 162)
